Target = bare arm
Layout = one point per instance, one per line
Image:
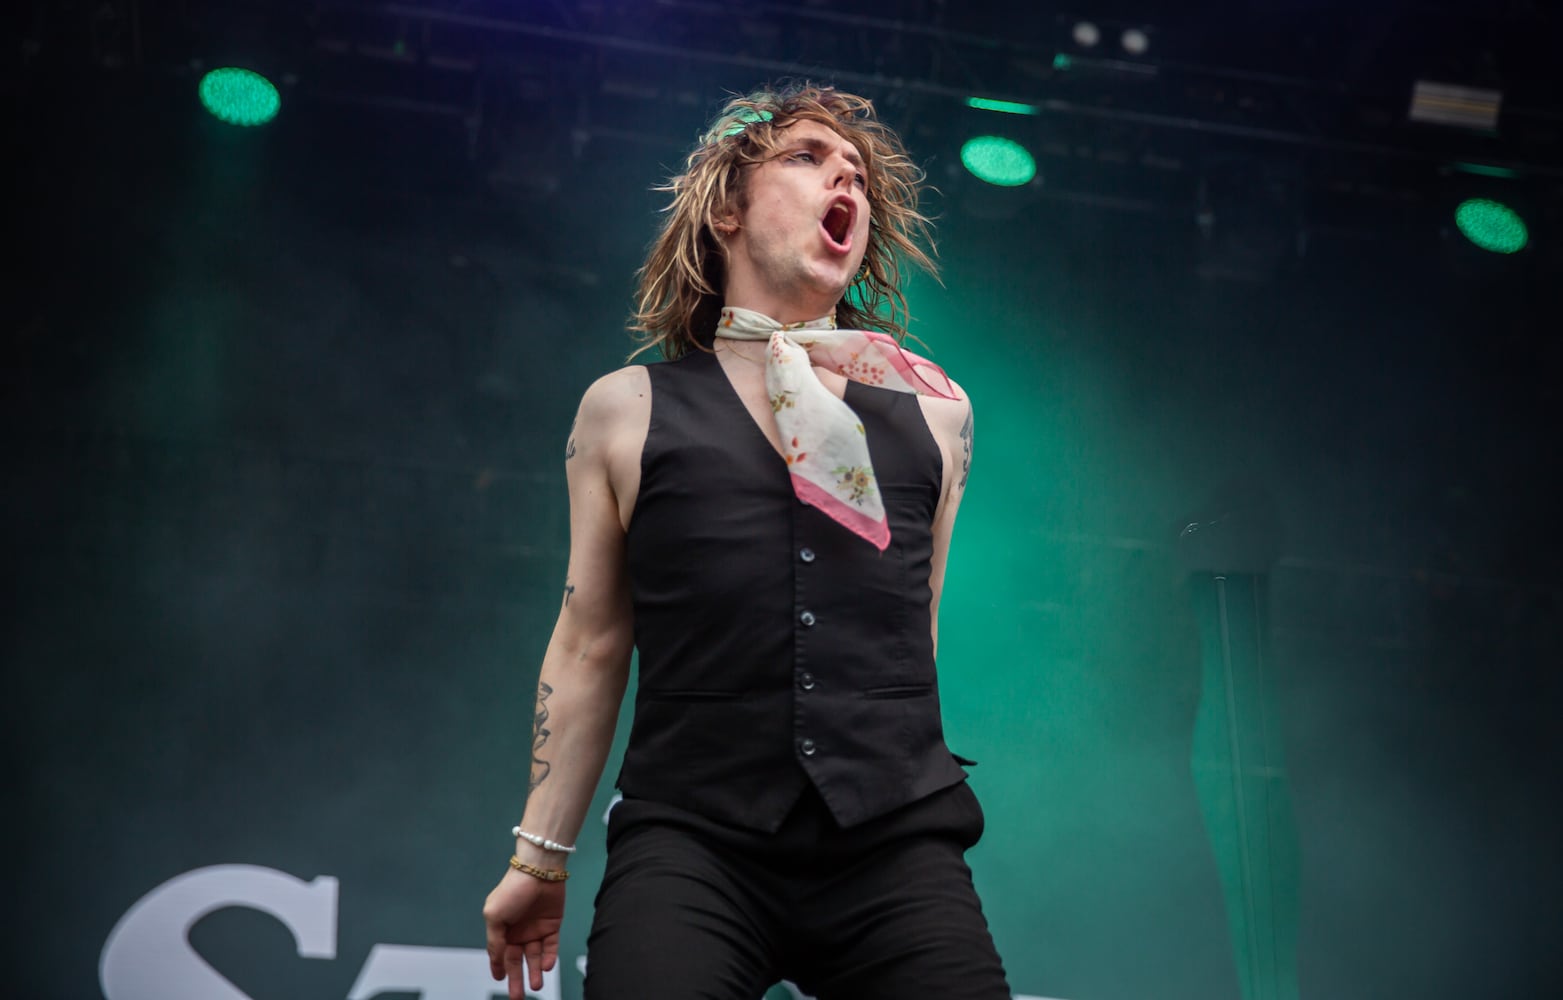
(583, 675)
(586, 665)
(952, 425)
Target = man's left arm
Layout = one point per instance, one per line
(952, 426)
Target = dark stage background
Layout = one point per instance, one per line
(285, 499)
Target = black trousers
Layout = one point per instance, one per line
(690, 909)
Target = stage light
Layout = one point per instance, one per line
(1491, 225)
(1474, 108)
(1005, 107)
(1001, 162)
(239, 96)
(1135, 42)
(1486, 170)
(1086, 34)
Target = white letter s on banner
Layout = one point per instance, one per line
(148, 956)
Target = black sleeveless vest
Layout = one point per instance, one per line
(776, 647)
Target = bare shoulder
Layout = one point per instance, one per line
(609, 433)
(616, 404)
(615, 390)
(948, 418)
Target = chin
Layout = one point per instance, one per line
(833, 285)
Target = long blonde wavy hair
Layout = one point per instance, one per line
(680, 286)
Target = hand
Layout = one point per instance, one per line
(523, 915)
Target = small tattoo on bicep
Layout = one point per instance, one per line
(966, 434)
(569, 448)
(540, 734)
(569, 588)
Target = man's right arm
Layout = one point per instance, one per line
(584, 670)
(586, 665)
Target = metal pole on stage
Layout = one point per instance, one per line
(1237, 759)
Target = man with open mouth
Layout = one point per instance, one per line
(765, 515)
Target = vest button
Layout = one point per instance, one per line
(806, 554)
(807, 746)
(807, 618)
(806, 681)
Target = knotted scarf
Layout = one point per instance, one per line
(823, 441)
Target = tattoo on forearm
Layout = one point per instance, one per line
(569, 448)
(569, 588)
(540, 734)
(966, 430)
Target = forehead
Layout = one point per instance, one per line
(815, 134)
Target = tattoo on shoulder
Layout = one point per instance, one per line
(966, 432)
(569, 588)
(569, 448)
(540, 734)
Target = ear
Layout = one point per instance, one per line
(726, 224)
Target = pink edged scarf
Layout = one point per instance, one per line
(823, 441)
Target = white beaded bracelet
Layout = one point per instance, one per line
(543, 842)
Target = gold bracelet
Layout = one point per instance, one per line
(546, 874)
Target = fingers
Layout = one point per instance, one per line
(541, 957)
(496, 949)
(513, 955)
(550, 952)
(534, 964)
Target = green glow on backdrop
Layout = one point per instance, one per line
(1006, 107)
(1003, 162)
(1486, 170)
(239, 96)
(1491, 225)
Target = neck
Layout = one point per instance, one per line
(788, 309)
(783, 315)
(753, 351)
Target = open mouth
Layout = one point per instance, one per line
(837, 222)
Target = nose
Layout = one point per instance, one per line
(842, 171)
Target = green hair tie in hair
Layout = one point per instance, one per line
(746, 117)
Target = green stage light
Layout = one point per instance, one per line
(239, 96)
(1487, 170)
(1491, 225)
(1005, 107)
(998, 161)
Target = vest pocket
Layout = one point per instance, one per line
(913, 502)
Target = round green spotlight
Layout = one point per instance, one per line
(239, 96)
(998, 161)
(1491, 225)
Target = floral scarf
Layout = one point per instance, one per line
(823, 441)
